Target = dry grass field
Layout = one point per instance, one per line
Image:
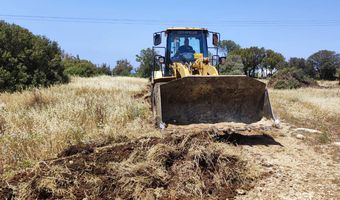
(94, 138)
(316, 108)
(38, 124)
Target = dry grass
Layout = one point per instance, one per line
(317, 108)
(36, 125)
(329, 84)
(94, 138)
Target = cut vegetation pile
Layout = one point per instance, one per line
(176, 166)
(291, 78)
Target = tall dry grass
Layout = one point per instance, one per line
(317, 108)
(36, 125)
(125, 156)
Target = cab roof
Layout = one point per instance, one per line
(186, 29)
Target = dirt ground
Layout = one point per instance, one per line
(299, 171)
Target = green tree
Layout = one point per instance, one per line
(251, 58)
(229, 46)
(271, 61)
(122, 68)
(232, 66)
(295, 62)
(301, 63)
(325, 63)
(104, 69)
(145, 58)
(27, 60)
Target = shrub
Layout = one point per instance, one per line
(123, 68)
(290, 78)
(27, 60)
(75, 66)
(82, 68)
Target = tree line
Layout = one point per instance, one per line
(76, 66)
(28, 60)
(260, 62)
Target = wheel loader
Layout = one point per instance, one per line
(187, 88)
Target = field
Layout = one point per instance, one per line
(316, 108)
(94, 138)
(38, 124)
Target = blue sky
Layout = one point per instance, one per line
(292, 27)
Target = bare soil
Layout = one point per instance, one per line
(299, 170)
(291, 168)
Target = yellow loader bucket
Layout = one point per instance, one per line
(211, 99)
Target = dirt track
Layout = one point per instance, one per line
(299, 171)
(296, 170)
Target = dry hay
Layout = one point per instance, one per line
(180, 165)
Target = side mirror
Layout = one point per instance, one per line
(222, 60)
(161, 60)
(215, 39)
(157, 39)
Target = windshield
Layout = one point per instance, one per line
(184, 44)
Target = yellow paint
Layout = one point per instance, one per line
(180, 70)
(198, 56)
(199, 68)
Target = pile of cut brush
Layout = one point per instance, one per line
(180, 165)
(291, 78)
